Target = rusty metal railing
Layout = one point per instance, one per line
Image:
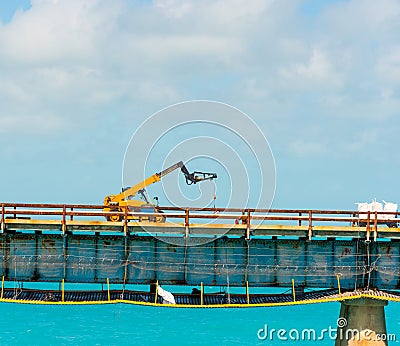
(249, 218)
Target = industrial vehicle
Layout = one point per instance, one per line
(125, 199)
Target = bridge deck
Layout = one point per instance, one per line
(200, 229)
(206, 221)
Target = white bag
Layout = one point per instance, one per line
(168, 297)
(363, 207)
(389, 207)
(375, 206)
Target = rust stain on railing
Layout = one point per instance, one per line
(250, 218)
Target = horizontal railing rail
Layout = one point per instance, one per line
(249, 217)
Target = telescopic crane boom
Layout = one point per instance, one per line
(124, 199)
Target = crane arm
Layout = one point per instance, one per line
(171, 169)
(191, 178)
(143, 184)
(136, 188)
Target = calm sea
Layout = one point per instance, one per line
(122, 324)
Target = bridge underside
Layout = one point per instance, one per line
(225, 261)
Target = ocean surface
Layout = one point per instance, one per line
(122, 324)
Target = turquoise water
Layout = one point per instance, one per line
(121, 324)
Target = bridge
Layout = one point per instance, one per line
(220, 247)
(346, 255)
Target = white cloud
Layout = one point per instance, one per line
(307, 148)
(388, 66)
(164, 50)
(362, 142)
(29, 124)
(84, 60)
(213, 13)
(174, 8)
(318, 70)
(151, 91)
(321, 86)
(357, 22)
(51, 31)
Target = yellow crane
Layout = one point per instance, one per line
(126, 199)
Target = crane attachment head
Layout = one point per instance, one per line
(196, 177)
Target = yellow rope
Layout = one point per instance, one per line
(246, 305)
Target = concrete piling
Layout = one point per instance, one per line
(362, 322)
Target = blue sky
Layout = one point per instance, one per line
(8, 8)
(320, 78)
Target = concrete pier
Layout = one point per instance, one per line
(362, 322)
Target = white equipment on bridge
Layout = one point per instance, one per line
(375, 206)
(391, 208)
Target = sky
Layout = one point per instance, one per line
(321, 79)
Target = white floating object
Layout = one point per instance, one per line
(167, 297)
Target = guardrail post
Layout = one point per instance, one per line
(368, 225)
(2, 287)
(72, 216)
(300, 214)
(376, 226)
(293, 291)
(63, 224)
(108, 290)
(248, 225)
(156, 295)
(247, 292)
(187, 223)
(309, 224)
(126, 221)
(62, 291)
(201, 294)
(2, 218)
(338, 283)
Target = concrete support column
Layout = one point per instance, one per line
(362, 322)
